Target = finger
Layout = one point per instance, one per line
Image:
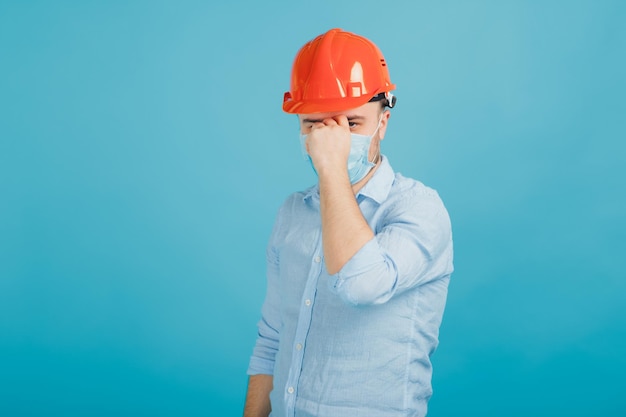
(342, 120)
(330, 122)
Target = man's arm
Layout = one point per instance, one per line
(258, 396)
(344, 230)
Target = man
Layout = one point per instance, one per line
(357, 266)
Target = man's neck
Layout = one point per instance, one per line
(356, 187)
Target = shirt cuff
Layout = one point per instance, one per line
(365, 278)
(260, 366)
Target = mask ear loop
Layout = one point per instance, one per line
(375, 161)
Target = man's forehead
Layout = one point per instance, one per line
(362, 112)
(319, 117)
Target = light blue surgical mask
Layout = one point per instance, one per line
(358, 164)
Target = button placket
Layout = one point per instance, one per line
(305, 319)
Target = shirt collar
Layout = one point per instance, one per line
(377, 188)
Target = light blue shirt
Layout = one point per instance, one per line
(357, 343)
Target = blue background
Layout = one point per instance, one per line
(144, 153)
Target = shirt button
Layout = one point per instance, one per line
(318, 259)
(307, 302)
(299, 346)
(290, 390)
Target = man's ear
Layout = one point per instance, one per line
(383, 124)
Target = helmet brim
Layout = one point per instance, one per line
(325, 105)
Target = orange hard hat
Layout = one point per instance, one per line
(337, 71)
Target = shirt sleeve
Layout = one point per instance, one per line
(266, 346)
(412, 247)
